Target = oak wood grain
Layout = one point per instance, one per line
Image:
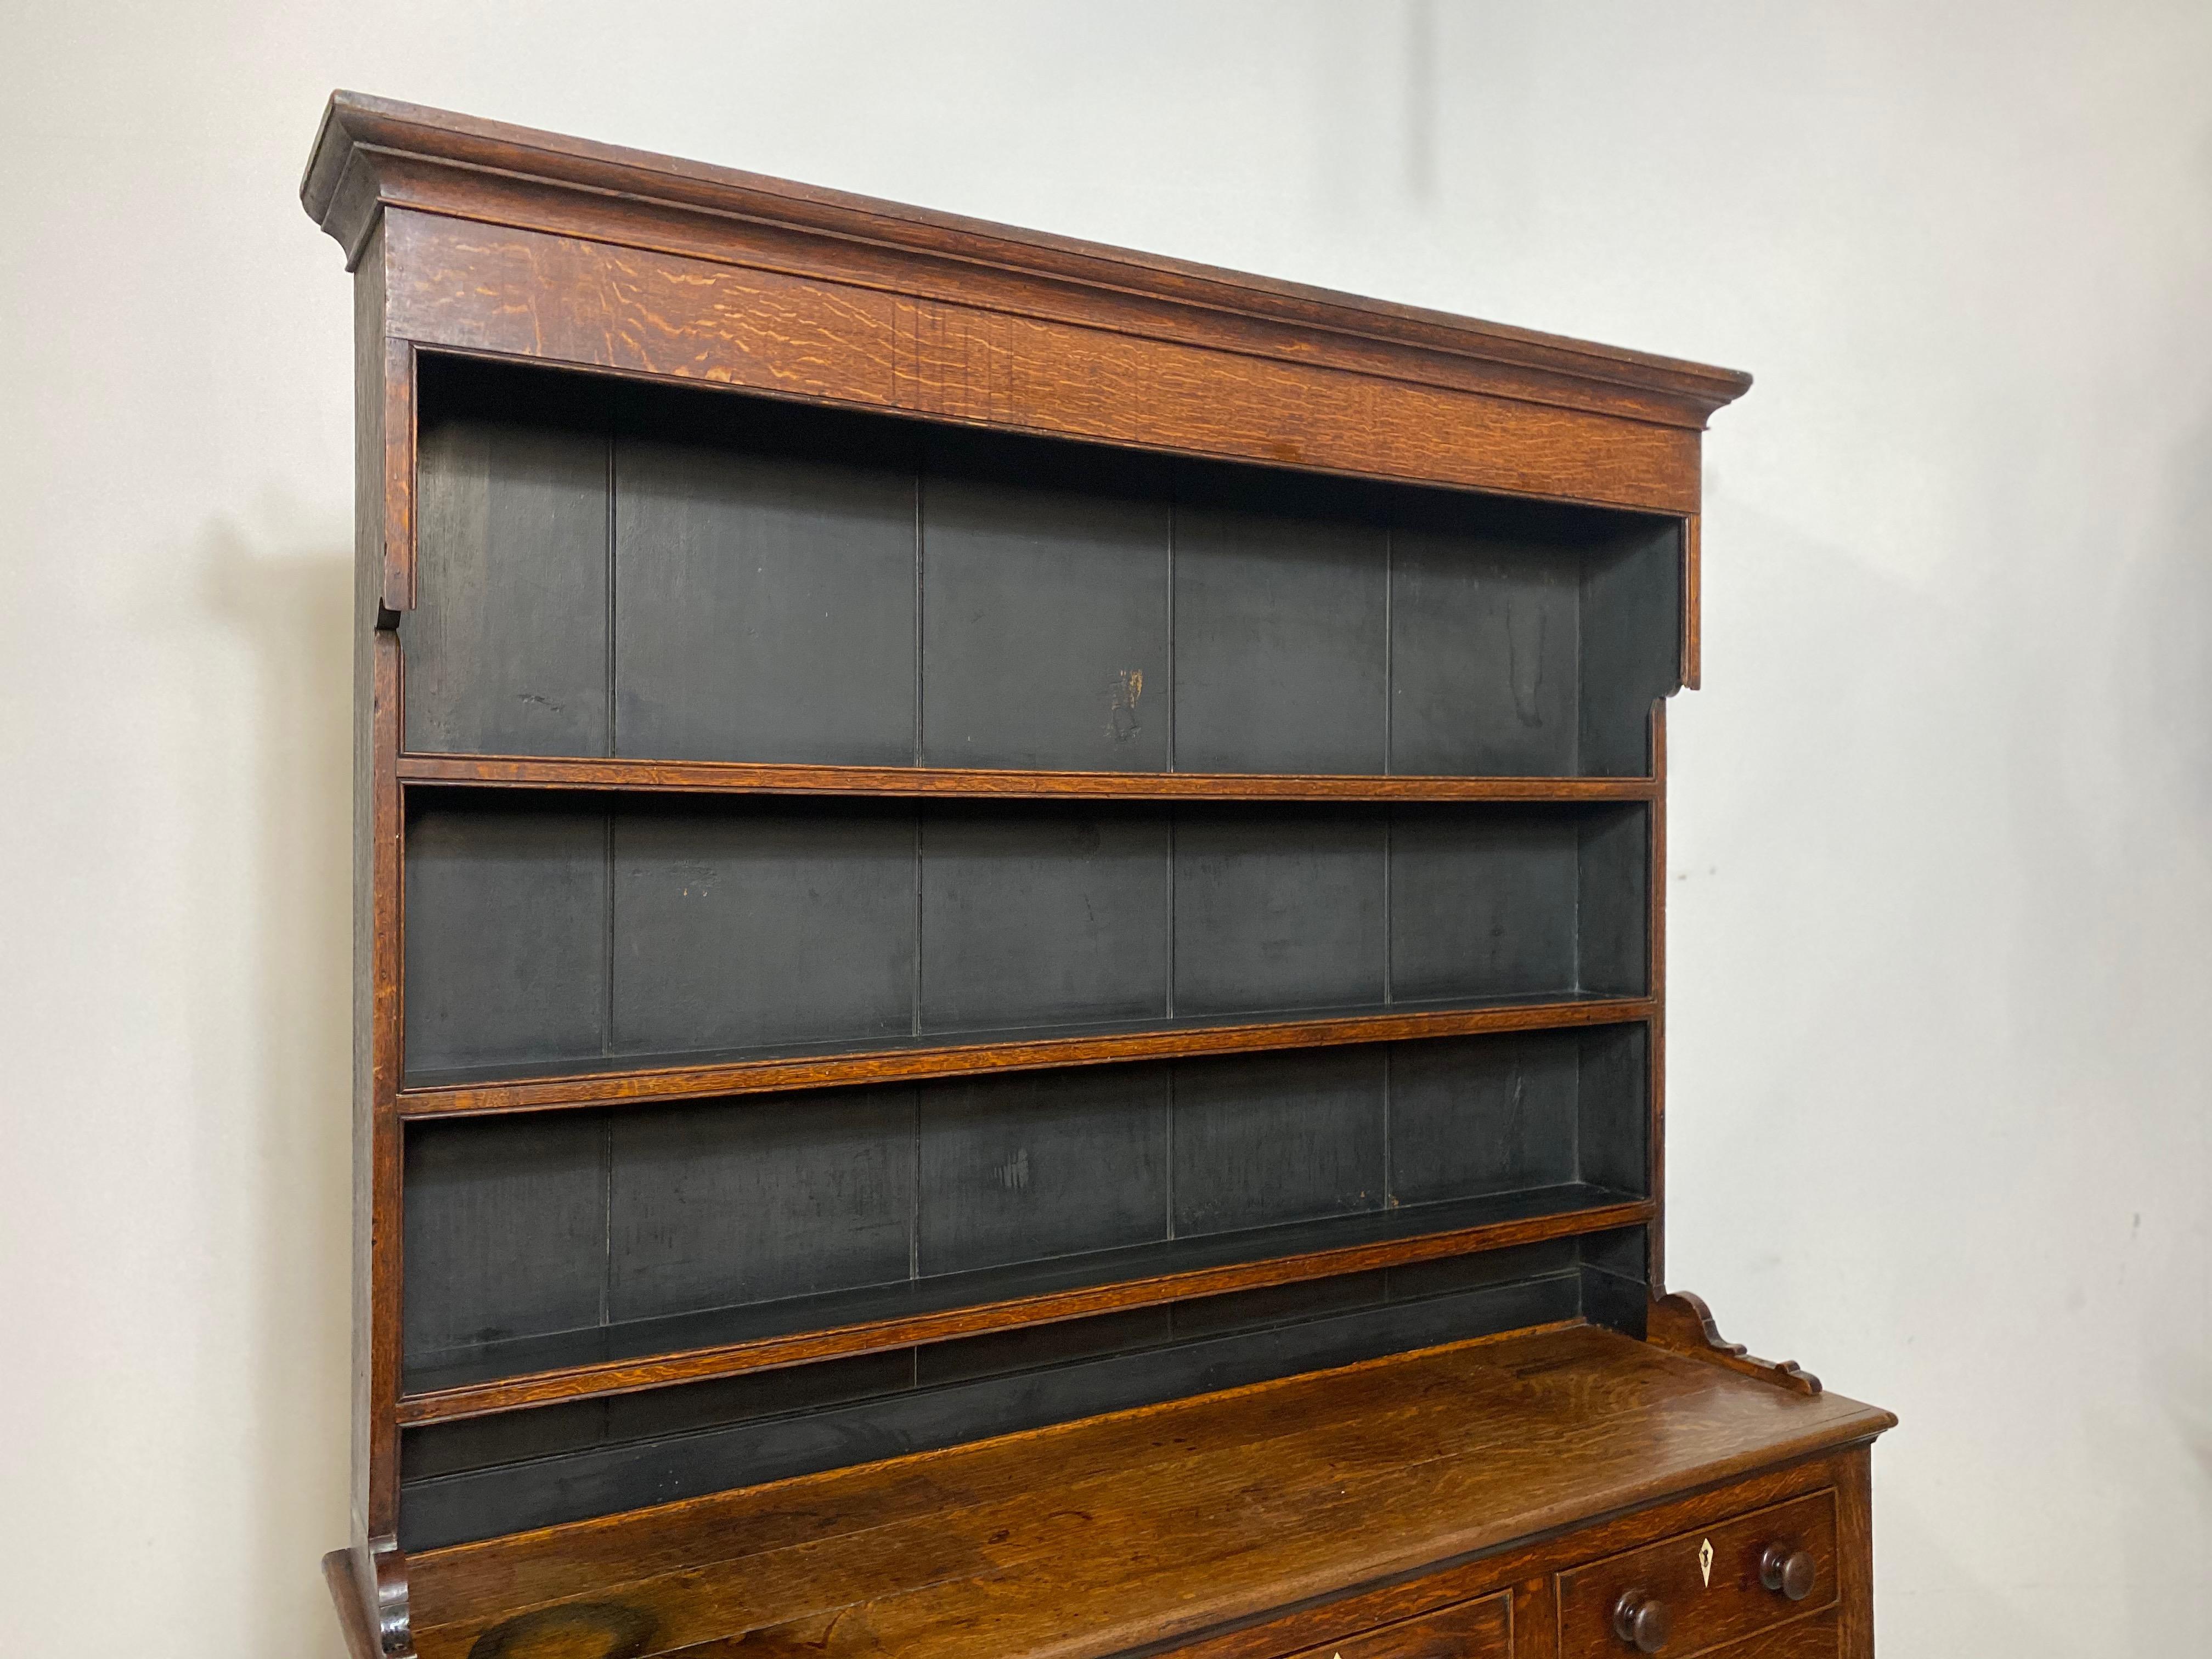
(1425, 1503)
(383, 549)
(372, 152)
(1528, 1570)
(1854, 1553)
(1683, 1322)
(586, 1381)
(1471, 1630)
(1654, 1237)
(1713, 1599)
(1158, 1524)
(353, 1621)
(1812, 1636)
(499, 292)
(739, 1076)
(744, 778)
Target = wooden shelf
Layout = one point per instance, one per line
(655, 1353)
(453, 1095)
(1146, 1529)
(737, 778)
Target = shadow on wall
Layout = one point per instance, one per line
(283, 787)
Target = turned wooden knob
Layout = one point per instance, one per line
(1642, 1621)
(1790, 1572)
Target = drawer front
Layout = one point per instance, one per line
(1702, 1588)
(1820, 1636)
(1471, 1630)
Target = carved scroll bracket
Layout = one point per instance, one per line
(370, 1588)
(1682, 1323)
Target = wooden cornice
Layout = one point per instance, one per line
(371, 154)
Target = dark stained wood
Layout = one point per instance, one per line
(1855, 1554)
(1472, 1630)
(1683, 1322)
(353, 1619)
(596, 1088)
(1694, 650)
(1312, 486)
(1656, 1061)
(1528, 1571)
(1160, 1524)
(736, 778)
(1706, 1600)
(591, 1381)
(372, 153)
(662, 316)
(378, 1200)
(368, 1586)
(1814, 1636)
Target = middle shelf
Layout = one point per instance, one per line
(576, 949)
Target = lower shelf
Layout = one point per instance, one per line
(732, 1341)
(1259, 1521)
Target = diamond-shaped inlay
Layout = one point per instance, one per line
(1705, 1562)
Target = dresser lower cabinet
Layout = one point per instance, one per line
(1568, 1494)
(1774, 1567)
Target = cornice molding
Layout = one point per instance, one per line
(371, 153)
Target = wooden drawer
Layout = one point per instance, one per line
(1470, 1630)
(1703, 1609)
(1817, 1637)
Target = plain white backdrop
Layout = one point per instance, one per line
(1941, 848)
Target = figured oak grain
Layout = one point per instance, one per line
(373, 154)
(516, 293)
(1160, 1523)
(885, 1065)
(876, 1336)
(920, 782)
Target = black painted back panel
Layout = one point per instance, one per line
(543, 933)
(690, 575)
(1282, 648)
(1485, 654)
(764, 584)
(1044, 619)
(774, 923)
(1277, 909)
(1042, 915)
(609, 569)
(535, 1226)
(475, 1479)
(507, 648)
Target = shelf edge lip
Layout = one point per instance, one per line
(602, 1380)
(757, 778)
(740, 1077)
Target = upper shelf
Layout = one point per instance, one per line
(824, 1065)
(740, 778)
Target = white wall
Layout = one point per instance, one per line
(1942, 875)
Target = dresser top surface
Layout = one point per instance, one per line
(1101, 1535)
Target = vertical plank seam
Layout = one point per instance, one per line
(920, 688)
(1389, 738)
(1175, 683)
